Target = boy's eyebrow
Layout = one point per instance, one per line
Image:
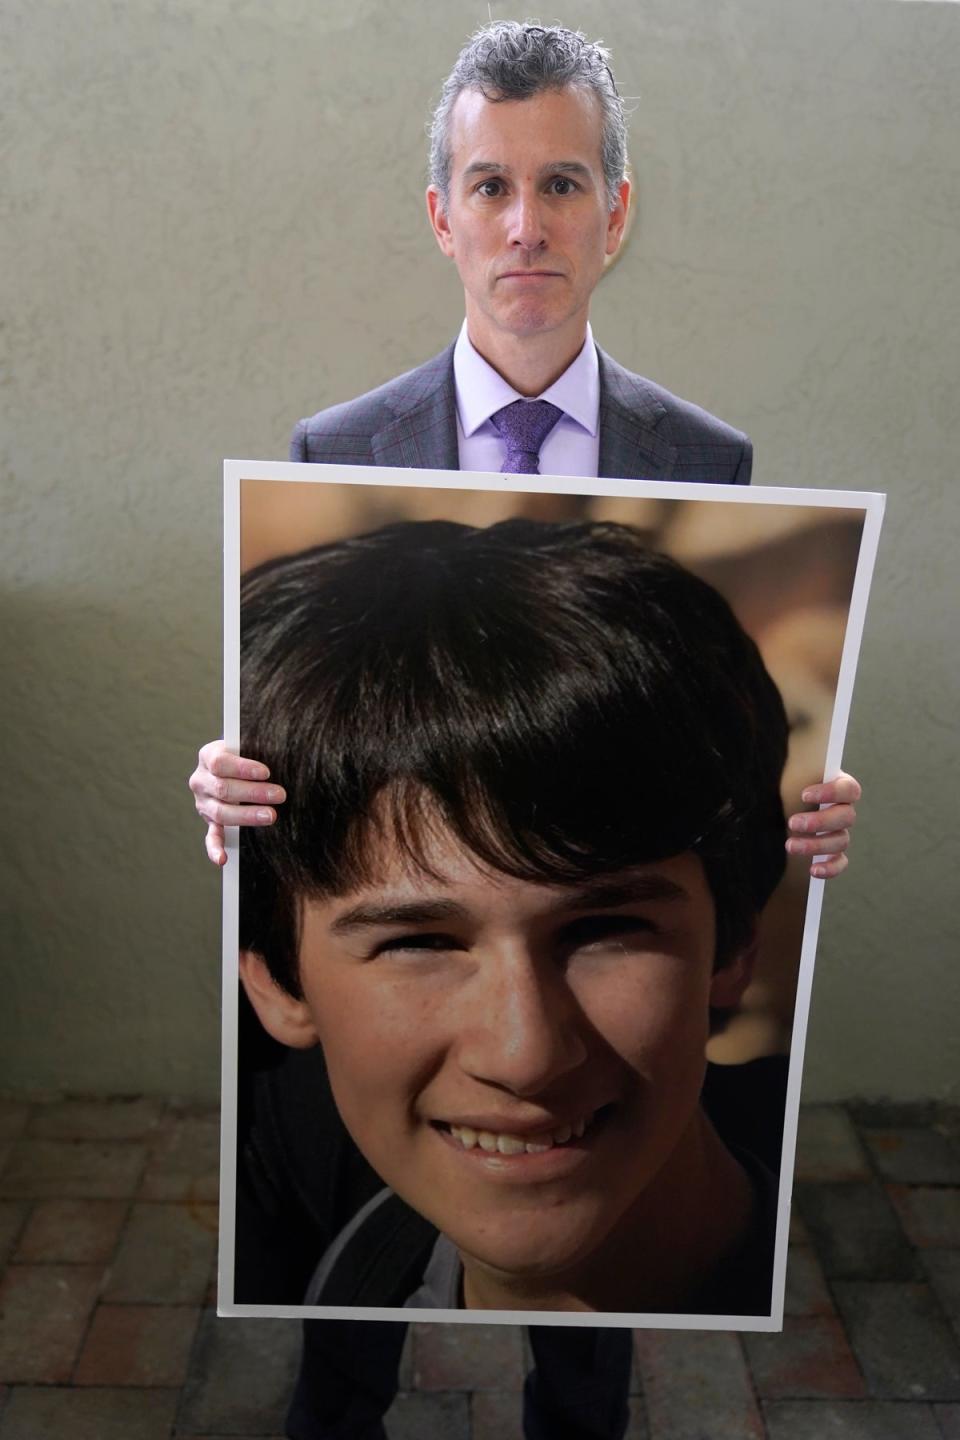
(411, 912)
(601, 894)
(607, 893)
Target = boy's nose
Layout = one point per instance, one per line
(523, 1031)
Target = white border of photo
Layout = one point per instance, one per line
(235, 471)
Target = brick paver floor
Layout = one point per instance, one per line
(108, 1331)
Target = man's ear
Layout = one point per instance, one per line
(439, 221)
(283, 1016)
(731, 979)
(617, 219)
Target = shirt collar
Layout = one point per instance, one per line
(481, 391)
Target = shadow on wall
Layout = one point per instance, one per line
(107, 909)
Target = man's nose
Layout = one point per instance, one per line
(527, 222)
(523, 1028)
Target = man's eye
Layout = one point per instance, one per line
(489, 188)
(563, 186)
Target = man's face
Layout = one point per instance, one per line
(516, 1060)
(527, 221)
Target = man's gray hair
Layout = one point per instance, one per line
(510, 60)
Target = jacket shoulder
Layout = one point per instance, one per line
(343, 433)
(700, 446)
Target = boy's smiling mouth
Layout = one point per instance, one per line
(507, 1142)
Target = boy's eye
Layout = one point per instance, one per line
(411, 944)
(596, 929)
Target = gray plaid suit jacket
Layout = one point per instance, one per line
(645, 432)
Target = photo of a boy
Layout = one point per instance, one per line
(534, 815)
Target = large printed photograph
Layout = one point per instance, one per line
(516, 987)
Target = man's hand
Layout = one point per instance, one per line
(230, 790)
(826, 832)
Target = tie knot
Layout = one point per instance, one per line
(524, 425)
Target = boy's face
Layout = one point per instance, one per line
(516, 1060)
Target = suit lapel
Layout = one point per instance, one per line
(630, 449)
(423, 434)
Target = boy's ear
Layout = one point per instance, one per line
(283, 1016)
(731, 979)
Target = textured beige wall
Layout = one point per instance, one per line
(213, 225)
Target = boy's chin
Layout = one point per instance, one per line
(530, 1262)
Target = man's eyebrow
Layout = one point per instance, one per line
(410, 912)
(556, 167)
(485, 167)
(568, 167)
(610, 894)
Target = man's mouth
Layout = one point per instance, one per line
(503, 1142)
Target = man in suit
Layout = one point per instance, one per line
(529, 198)
(644, 431)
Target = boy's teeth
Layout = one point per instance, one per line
(506, 1144)
(510, 1145)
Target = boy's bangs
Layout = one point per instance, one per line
(526, 799)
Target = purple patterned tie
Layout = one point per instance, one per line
(524, 425)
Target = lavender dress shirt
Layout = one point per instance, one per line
(573, 445)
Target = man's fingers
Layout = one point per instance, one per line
(812, 822)
(829, 869)
(236, 767)
(235, 792)
(844, 790)
(832, 844)
(217, 813)
(216, 848)
(824, 834)
(216, 758)
(231, 790)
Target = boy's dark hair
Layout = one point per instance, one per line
(567, 701)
